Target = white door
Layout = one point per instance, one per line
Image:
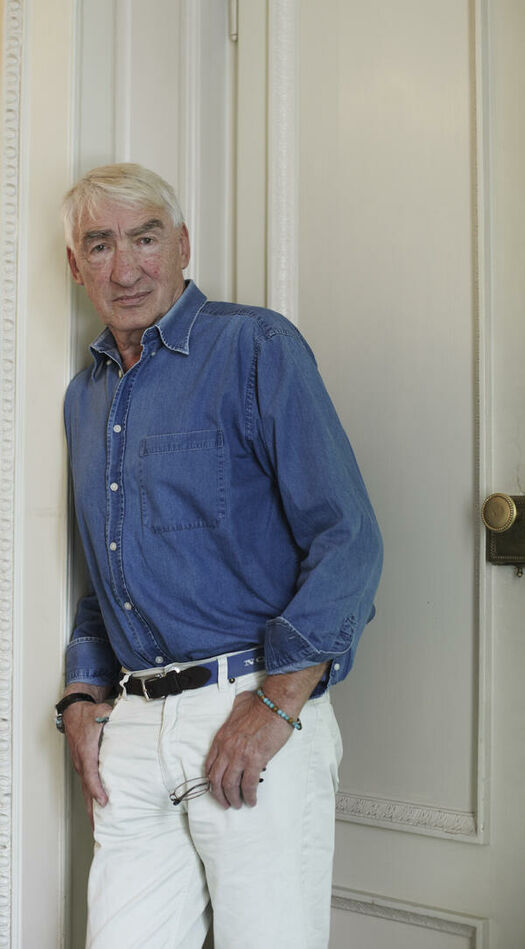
(371, 153)
(380, 166)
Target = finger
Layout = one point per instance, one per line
(96, 789)
(249, 785)
(215, 777)
(91, 779)
(217, 792)
(88, 800)
(210, 759)
(231, 786)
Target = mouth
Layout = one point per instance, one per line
(132, 299)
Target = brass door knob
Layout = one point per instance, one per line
(498, 512)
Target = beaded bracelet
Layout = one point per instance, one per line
(294, 722)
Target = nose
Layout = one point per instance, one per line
(125, 270)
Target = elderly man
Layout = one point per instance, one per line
(234, 557)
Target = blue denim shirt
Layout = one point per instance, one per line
(218, 499)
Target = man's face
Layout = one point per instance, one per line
(130, 260)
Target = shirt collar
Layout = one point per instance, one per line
(173, 329)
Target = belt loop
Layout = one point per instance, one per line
(222, 673)
(122, 684)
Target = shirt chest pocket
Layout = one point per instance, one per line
(182, 480)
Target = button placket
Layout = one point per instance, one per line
(115, 509)
(116, 441)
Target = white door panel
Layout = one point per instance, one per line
(391, 311)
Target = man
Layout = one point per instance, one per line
(234, 558)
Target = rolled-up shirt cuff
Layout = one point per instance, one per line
(287, 650)
(91, 660)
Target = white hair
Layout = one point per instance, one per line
(124, 183)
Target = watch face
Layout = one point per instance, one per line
(60, 723)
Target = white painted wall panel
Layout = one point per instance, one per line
(152, 85)
(95, 80)
(387, 299)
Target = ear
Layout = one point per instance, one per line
(73, 266)
(184, 246)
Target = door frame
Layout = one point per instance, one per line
(37, 95)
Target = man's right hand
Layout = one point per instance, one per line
(83, 735)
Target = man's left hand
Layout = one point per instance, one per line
(241, 749)
(252, 734)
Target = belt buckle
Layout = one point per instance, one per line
(159, 675)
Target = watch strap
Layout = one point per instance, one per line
(73, 697)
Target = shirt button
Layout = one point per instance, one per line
(117, 428)
(114, 486)
(336, 666)
(108, 362)
(159, 660)
(112, 545)
(120, 373)
(154, 353)
(127, 605)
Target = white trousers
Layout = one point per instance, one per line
(265, 870)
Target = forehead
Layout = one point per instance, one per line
(109, 215)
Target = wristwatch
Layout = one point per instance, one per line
(66, 702)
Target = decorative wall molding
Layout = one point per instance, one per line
(190, 103)
(283, 155)
(404, 815)
(367, 904)
(484, 457)
(122, 80)
(11, 84)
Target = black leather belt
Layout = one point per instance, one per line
(161, 684)
(169, 683)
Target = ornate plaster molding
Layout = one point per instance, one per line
(447, 923)
(404, 815)
(9, 177)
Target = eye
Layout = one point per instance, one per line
(98, 248)
(146, 241)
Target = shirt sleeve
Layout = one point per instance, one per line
(89, 656)
(299, 437)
